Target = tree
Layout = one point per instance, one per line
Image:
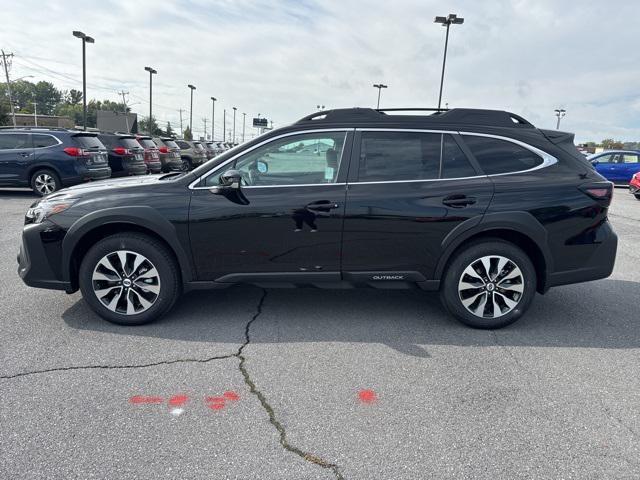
(169, 131)
(72, 97)
(151, 127)
(4, 112)
(24, 93)
(611, 144)
(187, 135)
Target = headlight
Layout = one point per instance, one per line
(44, 209)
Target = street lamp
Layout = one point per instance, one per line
(152, 72)
(234, 125)
(244, 118)
(213, 115)
(320, 108)
(379, 86)
(191, 109)
(447, 21)
(224, 125)
(85, 39)
(560, 113)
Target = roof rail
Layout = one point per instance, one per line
(466, 116)
(33, 127)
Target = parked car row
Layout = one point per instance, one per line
(48, 159)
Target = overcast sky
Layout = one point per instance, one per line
(281, 58)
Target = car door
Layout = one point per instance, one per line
(604, 165)
(16, 152)
(629, 166)
(290, 218)
(407, 190)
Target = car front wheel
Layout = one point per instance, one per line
(129, 279)
(490, 284)
(44, 182)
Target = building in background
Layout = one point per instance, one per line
(28, 120)
(108, 121)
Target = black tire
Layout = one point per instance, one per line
(637, 196)
(158, 256)
(45, 181)
(187, 164)
(451, 295)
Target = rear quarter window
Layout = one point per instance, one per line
(497, 156)
(183, 145)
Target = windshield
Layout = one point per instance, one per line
(88, 142)
(170, 144)
(127, 142)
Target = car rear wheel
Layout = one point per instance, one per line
(44, 182)
(187, 164)
(129, 279)
(489, 284)
(638, 196)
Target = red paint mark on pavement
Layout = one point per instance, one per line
(178, 400)
(229, 395)
(367, 396)
(216, 406)
(142, 399)
(215, 399)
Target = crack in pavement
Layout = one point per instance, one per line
(117, 367)
(309, 457)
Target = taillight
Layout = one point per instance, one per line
(601, 191)
(164, 150)
(74, 151)
(121, 151)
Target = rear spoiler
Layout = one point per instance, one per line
(557, 137)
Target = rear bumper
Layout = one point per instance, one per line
(35, 267)
(139, 168)
(599, 265)
(154, 167)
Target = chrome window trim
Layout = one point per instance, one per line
(266, 141)
(48, 135)
(547, 159)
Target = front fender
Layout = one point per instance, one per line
(141, 216)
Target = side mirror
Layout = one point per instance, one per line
(263, 167)
(594, 162)
(231, 179)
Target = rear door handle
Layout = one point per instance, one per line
(458, 201)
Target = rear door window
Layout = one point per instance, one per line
(42, 141)
(389, 156)
(497, 156)
(14, 141)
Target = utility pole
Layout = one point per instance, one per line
(560, 113)
(379, 86)
(152, 72)
(224, 124)
(126, 113)
(234, 125)
(244, 118)
(35, 113)
(85, 39)
(447, 21)
(205, 127)
(181, 130)
(6, 73)
(213, 115)
(192, 88)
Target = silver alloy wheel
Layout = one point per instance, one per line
(491, 286)
(45, 183)
(126, 282)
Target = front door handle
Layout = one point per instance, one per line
(323, 204)
(25, 155)
(458, 201)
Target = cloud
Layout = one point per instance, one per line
(281, 58)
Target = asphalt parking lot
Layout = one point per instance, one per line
(307, 384)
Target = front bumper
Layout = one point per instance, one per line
(39, 257)
(599, 264)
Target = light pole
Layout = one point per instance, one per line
(320, 107)
(379, 86)
(447, 21)
(560, 113)
(224, 125)
(244, 119)
(192, 88)
(85, 39)
(234, 125)
(152, 72)
(213, 115)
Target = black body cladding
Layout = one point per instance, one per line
(347, 222)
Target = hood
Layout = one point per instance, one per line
(105, 185)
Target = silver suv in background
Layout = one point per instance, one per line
(192, 153)
(169, 154)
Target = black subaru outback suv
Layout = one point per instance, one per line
(479, 205)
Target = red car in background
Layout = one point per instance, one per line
(151, 153)
(634, 185)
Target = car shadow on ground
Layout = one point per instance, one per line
(18, 193)
(409, 321)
